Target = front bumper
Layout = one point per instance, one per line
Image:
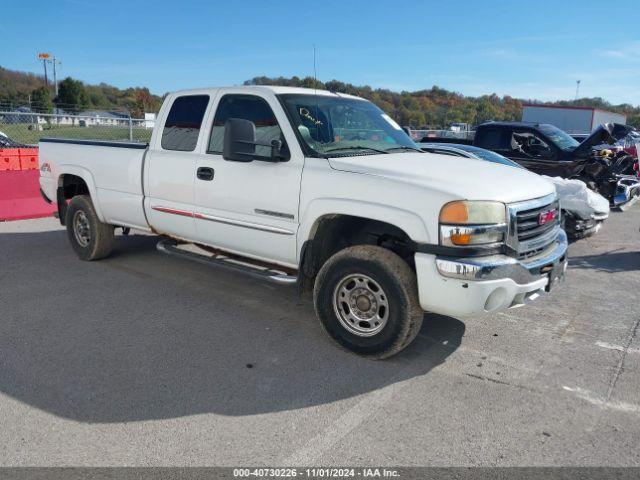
(467, 286)
(627, 191)
(577, 228)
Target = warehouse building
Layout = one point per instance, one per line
(573, 120)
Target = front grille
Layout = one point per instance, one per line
(526, 236)
(527, 223)
(534, 252)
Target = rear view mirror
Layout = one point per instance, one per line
(239, 143)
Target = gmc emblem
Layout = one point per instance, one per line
(548, 216)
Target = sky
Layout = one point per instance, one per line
(526, 49)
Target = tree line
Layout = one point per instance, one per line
(437, 108)
(28, 89)
(432, 108)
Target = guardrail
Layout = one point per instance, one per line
(28, 127)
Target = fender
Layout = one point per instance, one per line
(405, 220)
(67, 169)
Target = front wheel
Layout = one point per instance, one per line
(367, 300)
(90, 238)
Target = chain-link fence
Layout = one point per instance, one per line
(28, 127)
(425, 135)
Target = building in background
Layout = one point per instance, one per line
(102, 117)
(573, 120)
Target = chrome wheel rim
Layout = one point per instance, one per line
(81, 228)
(361, 305)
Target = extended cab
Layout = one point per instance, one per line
(324, 190)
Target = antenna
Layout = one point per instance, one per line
(315, 77)
(577, 88)
(315, 92)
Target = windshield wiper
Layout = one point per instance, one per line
(355, 147)
(403, 148)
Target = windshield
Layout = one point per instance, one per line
(338, 126)
(562, 139)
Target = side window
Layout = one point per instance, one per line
(246, 107)
(183, 123)
(493, 139)
(529, 144)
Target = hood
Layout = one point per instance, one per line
(608, 133)
(459, 177)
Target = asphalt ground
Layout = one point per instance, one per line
(145, 359)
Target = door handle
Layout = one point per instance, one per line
(205, 173)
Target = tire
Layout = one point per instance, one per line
(391, 292)
(90, 238)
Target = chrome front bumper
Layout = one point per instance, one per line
(468, 286)
(551, 263)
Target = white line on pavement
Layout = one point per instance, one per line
(612, 346)
(601, 402)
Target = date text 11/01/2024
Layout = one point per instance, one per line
(315, 472)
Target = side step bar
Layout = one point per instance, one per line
(230, 262)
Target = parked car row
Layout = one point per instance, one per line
(547, 150)
(606, 161)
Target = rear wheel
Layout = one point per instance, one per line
(90, 238)
(367, 300)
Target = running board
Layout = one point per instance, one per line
(230, 262)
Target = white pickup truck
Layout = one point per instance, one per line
(324, 190)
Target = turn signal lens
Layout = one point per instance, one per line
(454, 212)
(460, 235)
(463, 212)
(461, 238)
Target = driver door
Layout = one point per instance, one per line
(250, 208)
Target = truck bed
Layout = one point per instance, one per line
(112, 171)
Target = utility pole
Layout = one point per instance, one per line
(45, 57)
(55, 78)
(577, 88)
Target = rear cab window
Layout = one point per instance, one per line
(183, 123)
(494, 139)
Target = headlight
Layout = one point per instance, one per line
(464, 223)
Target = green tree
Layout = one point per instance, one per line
(72, 95)
(41, 100)
(143, 102)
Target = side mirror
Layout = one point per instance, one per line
(239, 143)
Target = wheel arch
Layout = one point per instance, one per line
(324, 232)
(72, 181)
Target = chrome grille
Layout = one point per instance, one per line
(527, 223)
(526, 236)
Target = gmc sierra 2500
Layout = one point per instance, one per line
(322, 189)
